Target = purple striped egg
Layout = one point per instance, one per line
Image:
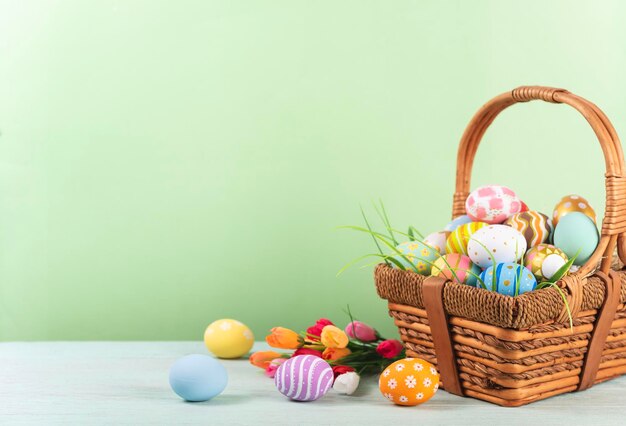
(304, 378)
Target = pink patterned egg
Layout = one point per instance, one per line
(304, 378)
(492, 204)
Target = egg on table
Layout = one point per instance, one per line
(437, 240)
(535, 227)
(228, 338)
(456, 222)
(456, 267)
(197, 377)
(492, 204)
(496, 244)
(458, 239)
(577, 235)
(304, 378)
(544, 260)
(572, 203)
(409, 381)
(418, 255)
(510, 279)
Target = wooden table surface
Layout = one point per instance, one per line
(127, 383)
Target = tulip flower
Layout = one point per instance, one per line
(340, 369)
(389, 348)
(333, 354)
(316, 330)
(333, 337)
(270, 371)
(284, 338)
(262, 359)
(361, 331)
(346, 383)
(306, 351)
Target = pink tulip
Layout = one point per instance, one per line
(361, 331)
(270, 371)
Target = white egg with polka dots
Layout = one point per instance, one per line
(496, 244)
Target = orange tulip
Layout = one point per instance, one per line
(284, 338)
(333, 354)
(262, 359)
(334, 337)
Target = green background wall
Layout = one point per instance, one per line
(164, 164)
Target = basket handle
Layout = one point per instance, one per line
(614, 222)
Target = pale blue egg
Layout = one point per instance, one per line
(419, 254)
(576, 231)
(197, 377)
(456, 222)
(509, 277)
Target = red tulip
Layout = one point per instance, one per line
(307, 351)
(340, 369)
(316, 330)
(389, 348)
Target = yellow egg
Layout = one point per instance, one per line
(228, 338)
(572, 203)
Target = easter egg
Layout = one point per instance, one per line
(437, 240)
(458, 239)
(418, 254)
(576, 231)
(544, 260)
(572, 203)
(456, 267)
(535, 227)
(456, 222)
(304, 378)
(228, 338)
(510, 279)
(496, 244)
(197, 377)
(409, 381)
(492, 204)
(524, 207)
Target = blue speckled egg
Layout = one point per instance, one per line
(577, 231)
(197, 377)
(420, 255)
(456, 222)
(511, 279)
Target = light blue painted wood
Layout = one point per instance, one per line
(127, 383)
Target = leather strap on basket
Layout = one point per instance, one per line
(432, 292)
(604, 320)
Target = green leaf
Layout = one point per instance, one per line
(385, 220)
(358, 259)
(414, 229)
(562, 271)
(493, 264)
(370, 229)
(382, 238)
(410, 234)
(519, 270)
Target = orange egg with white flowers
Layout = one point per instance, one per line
(409, 381)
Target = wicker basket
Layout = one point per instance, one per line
(515, 350)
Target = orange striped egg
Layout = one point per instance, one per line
(457, 240)
(535, 227)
